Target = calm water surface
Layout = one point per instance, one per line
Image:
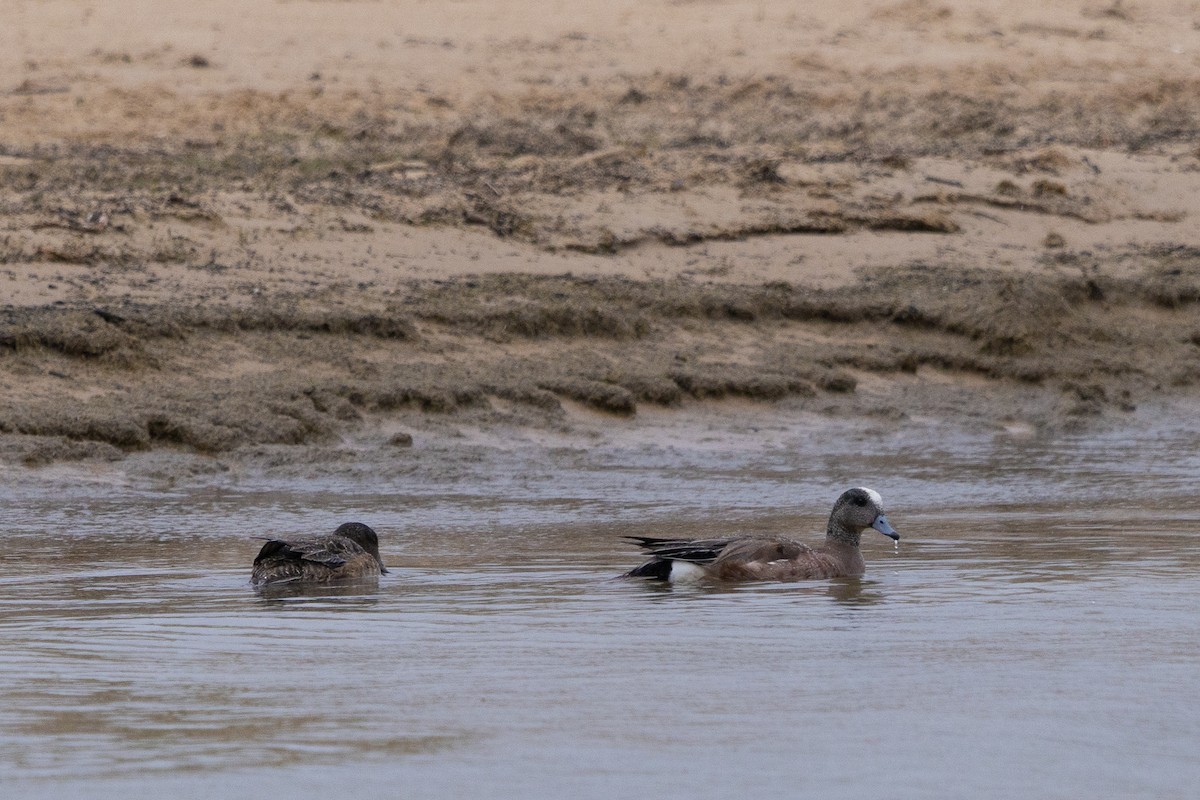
(1036, 633)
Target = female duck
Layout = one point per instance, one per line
(350, 553)
(770, 558)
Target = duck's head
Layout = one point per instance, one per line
(855, 511)
(365, 537)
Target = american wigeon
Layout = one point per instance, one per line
(350, 553)
(771, 558)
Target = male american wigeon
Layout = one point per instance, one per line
(350, 553)
(771, 558)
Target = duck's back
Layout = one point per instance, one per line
(319, 559)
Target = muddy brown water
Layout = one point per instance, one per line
(1035, 633)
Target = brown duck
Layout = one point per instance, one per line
(350, 553)
(771, 558)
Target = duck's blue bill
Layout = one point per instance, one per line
(883, 526)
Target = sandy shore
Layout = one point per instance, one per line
(233, 224)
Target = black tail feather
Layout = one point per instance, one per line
(656, 569)
(663, 552)
(703, 551)
(651, 542)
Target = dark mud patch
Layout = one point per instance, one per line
(508, 349)
(724, 380)
(40, 451)
(84, 333)
(105, 332)
(137, 420)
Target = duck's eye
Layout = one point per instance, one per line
(860, 500)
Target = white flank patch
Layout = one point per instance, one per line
(874, 495)
(686, 572)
